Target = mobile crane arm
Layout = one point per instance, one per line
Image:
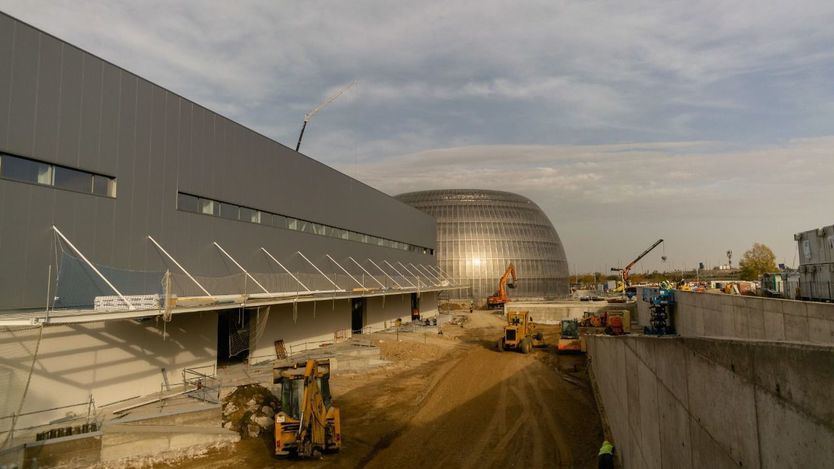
(625, 270)
(309, 115)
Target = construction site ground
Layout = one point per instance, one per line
(452, 400)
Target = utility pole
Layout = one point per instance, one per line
(309, 115)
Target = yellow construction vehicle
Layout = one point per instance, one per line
(308, 424)
(569, 340)
(520, 333)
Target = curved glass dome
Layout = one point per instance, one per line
(480, 232)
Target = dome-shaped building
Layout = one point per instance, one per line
(480, 232)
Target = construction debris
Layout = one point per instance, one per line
(250, 410)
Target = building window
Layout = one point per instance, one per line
(252, 216)
(73, 180)
(35, 172)
(279, 221)
(21, 169)
(188, 203)
(209, 207)
(103, 185)
(229, 211)
(192, 203)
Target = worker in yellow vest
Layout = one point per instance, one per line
(606, 455)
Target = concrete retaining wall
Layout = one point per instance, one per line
(553, 313)
(695, 402)
(748, 317)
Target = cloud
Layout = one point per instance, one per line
(706, 120)
(608, 200)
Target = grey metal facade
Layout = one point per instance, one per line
(480, 232)
(63, 106)
(816, 263)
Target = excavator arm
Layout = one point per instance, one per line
(500, 297)
(504, 282)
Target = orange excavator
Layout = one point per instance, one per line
(500, 297)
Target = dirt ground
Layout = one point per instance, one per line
(454, 401)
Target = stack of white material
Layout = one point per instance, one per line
(116, 303)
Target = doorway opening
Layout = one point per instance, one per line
(232, 337)
(415, 307)
(357, 316)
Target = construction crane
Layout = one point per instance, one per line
(500, 297)
(625, 270)
(309, 115)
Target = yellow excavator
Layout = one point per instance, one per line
(308, 424)
(500, 297)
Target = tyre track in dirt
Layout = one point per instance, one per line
(493, 409)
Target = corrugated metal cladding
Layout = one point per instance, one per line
(61, 105)
(479, 232)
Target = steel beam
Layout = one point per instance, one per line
(345, 271)
(178, 265)
(285, 269)
(90, 264)
(400, 274)
(369, 274)
(319, 271)
(241, 267)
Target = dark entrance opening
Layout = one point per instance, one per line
(357, 316)
(232, 337)
(415, 307)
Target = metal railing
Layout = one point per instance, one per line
(204, 381)
(90, 417)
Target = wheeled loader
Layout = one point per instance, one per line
(520, 333)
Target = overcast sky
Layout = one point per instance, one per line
(709, 124)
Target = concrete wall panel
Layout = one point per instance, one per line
(673, 419)
(382, 313)
(649, 429)
(788, 439)
(746, 404)
(307, 328)
(110, 360)
(744, 317)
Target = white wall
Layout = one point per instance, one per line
(316, 323)
(313, 323)
(113, 360)
(428, 304)
(382, 312)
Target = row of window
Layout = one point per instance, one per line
(36, 172)
(205, 206)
